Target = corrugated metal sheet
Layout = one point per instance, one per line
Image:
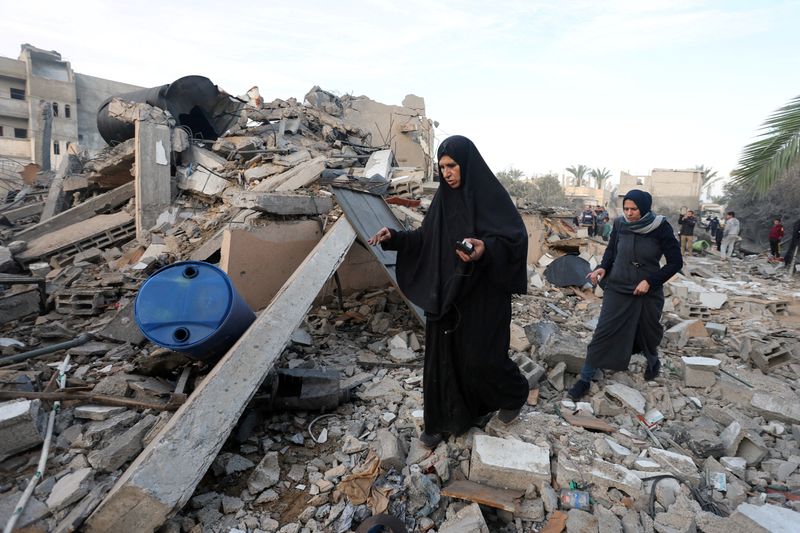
(368, 213)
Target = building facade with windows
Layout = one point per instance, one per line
(34, 80)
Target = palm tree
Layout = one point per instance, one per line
(600, 176)
(578, 173)
(774, 153)
(709, 177)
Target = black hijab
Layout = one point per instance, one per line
(480, 208)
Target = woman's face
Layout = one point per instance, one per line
(631, 210)
(450, 171)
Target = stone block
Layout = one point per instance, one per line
(390, 450)
(744, 443)
(700, 371)
(202, 181)
(467, 520)
(266, 474)
(509, 464)
(533, 372)
(713, 300)
(628, 396)
(680, 333)
(716, 330)
(22, 426)
(772, 518)
(676, 463)
(603, 474)
(775, 408)
(123, 448)
(70, 489)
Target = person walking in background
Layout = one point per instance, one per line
(633, 297)
(461, 267)
(600, 217)
(729, 235)
(607, 227)
(713, 227)
(775, 236)
(718, 236)
(687, 222)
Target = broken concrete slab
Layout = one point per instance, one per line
(772, 518)
(504, 463)
(772, 407)
(22, 426)
(680, 333)
(603, 474)
(265, 475)
(202, 181)
(628, 396)
(713, 300)
(390, 450)
(744, 443)
(700, 371)
(16, 305)
(97, 412)
(70, 488)
(676, 463)
(152, 178)
(123, 448)
(294, 178)
(467, 520)
(284, 203)
(166, 473)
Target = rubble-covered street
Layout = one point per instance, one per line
(310, 422)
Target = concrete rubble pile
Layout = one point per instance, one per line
(329, 438)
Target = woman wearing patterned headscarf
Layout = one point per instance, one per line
(466, 295)
(633, 297)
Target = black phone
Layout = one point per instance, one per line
(465, 246)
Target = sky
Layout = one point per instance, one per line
(628, 85)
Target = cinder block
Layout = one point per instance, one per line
(700, 371)
(741, 442)
(22, 426)
(767, 356)
(533, 372)
(508, 464)
(694, 311)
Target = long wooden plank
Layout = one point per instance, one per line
(162, 479)
(91, 207)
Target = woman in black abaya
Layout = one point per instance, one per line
(466, 296)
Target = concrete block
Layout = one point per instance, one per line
(123, 448)
(716, 330)
(508, 463)
(519, 340)
(22, 426)
(772, 518)
(97, 412)
(533, 372)
(694, 312)
(467, 520)
(70, 489)
(265, 475)
(680, 333)
(700, 371)
(675, 521)
(16, 305)
(284, 203)
(202, 181)
(628, 396)
(390, 450)
(602, 474)
(741, 442)
(769, 355)
(713, 300)
(676, 463)
(736, 465)
(774, 408)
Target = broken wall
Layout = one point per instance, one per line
(537, 233)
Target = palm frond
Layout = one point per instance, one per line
(774, 153)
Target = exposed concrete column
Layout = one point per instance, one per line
(152, 177)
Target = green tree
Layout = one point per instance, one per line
(600, 175)
(549, 191)
(774, 153)
(578, 174)
(514, 181)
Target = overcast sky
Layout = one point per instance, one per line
(539, 85)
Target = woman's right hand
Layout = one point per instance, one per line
(596, 275)
(383, 235)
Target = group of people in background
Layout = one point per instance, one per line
(725, 234)
(596, 220)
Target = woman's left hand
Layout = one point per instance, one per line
(642, 288)
(476, 254)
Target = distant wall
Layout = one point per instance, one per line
(92, 92)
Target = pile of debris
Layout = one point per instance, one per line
(310, 422)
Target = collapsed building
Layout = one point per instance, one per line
(309, 420)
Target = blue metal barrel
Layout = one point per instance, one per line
(193, 308)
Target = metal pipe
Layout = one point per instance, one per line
(83, 338)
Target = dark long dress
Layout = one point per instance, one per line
(467, 305)
(630, 324)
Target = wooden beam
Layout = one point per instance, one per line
(164, 476)
(84, 211)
